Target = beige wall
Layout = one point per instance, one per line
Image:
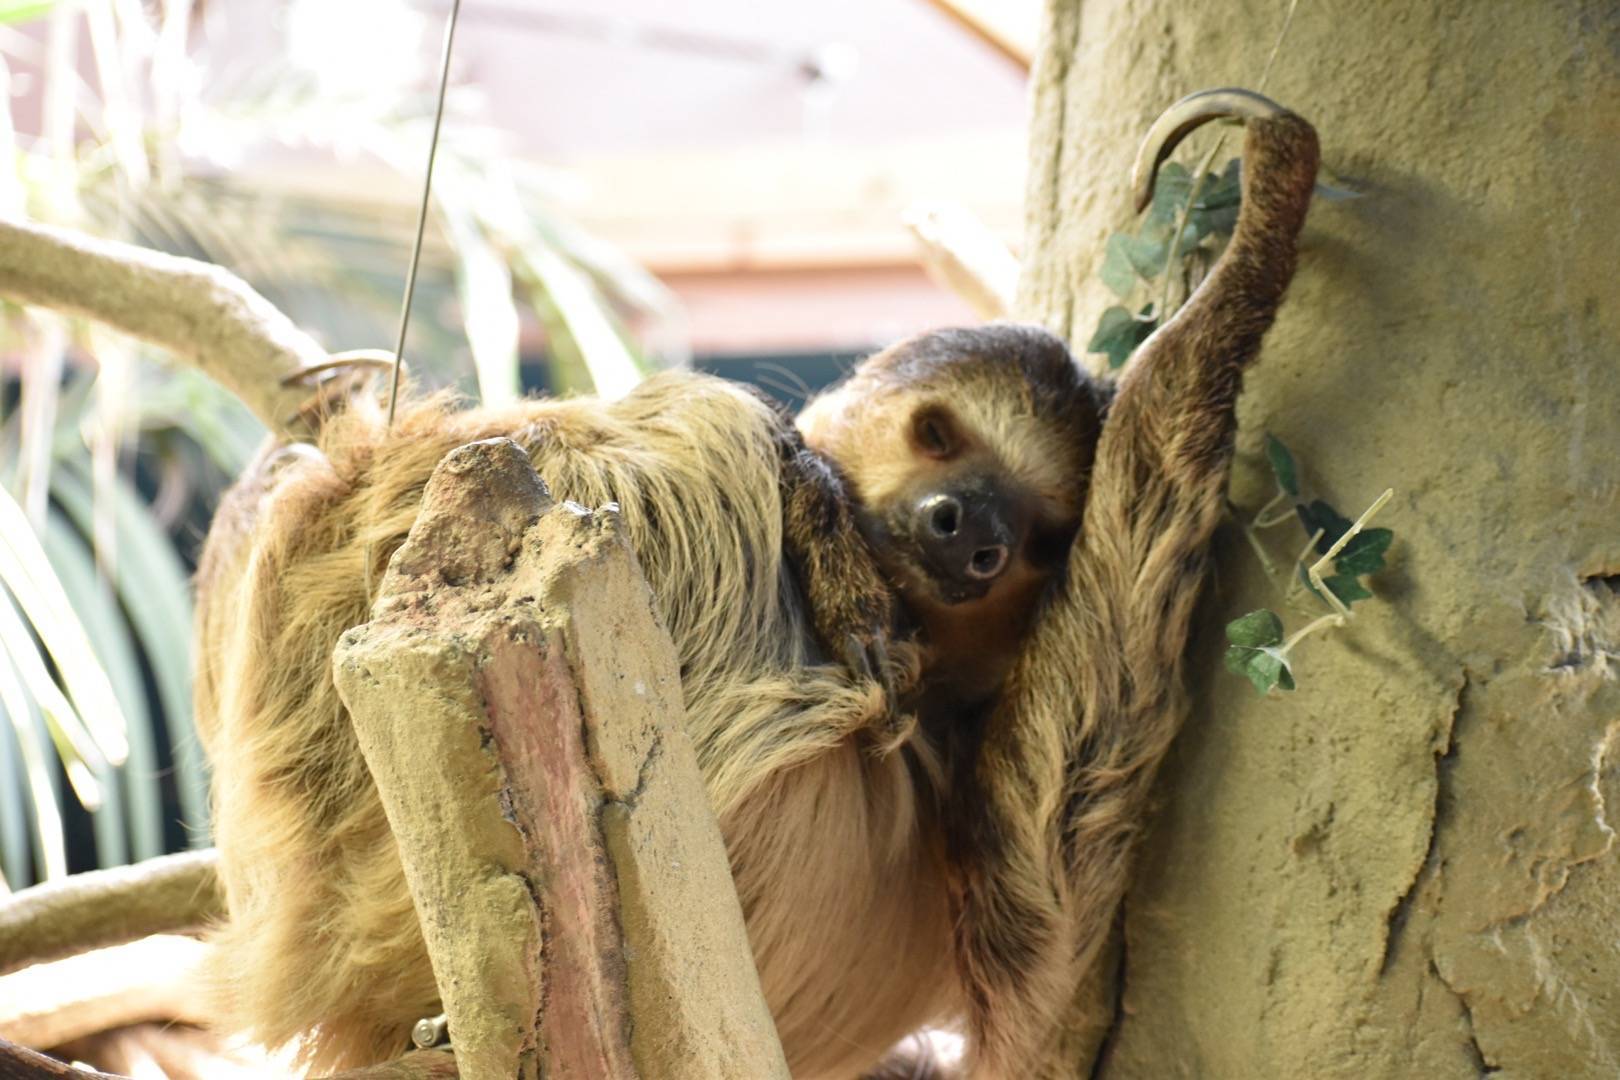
(1407, 867)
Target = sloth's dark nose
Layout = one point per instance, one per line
(965, 536)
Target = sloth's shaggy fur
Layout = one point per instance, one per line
(890, 875)
(322, 940)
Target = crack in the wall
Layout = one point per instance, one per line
(655, 750)
(1476, 1053)
(1555, 878)
(1105, 1048)
(1445, 761)
(1600, 762)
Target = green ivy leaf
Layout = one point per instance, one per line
(1265, 668)
(1255, 653)
(1216, 210)
(1119, 333)
(1219, 222)
(1256, 629)
(1364, 554)
(1170, 192)
(1282, 465)
(1146, 254)
(1319, 515)
(1117, 272)
(1345, 586)
(1225, 189)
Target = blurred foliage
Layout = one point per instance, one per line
(294, 161)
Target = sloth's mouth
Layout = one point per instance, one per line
(950, 592)
(908, 568)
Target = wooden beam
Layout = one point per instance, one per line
(1010, 27)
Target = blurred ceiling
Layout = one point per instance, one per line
(572, 78)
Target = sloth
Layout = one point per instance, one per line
(930, 640)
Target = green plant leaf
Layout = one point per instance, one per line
(1347, 587)
(151, 582)
(1223, 189)
(484, 286)
(137, 785)
(1282, 465)
(19, 11)
(1117, 272)
(1364, 553)
(572, 299)
(1265, 668)
(95, 723)
(1215, 212)
(1146, 254)
(50, 846)
(14, 818)
(1118, 334)
(1169, 194)
(1217, 222)
(1256, 629)
(1319, 515)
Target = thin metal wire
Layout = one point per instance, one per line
(422, 212)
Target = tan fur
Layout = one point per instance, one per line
(890, 875)
(322, 939)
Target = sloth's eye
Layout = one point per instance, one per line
(934, 435)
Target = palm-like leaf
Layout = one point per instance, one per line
(81, 628)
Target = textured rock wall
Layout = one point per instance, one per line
(1407, 867)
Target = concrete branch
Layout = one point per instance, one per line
(172, 894)
(200, 314)
(519, 707)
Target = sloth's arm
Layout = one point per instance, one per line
(850, 602)
(1093, 703)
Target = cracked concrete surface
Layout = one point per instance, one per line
(1407, 867)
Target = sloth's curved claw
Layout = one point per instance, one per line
(868, 660)
(1185, 117)
(896, 675)
(332, 382)
(354, 359)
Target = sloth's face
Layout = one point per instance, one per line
(955, 526)
(968, 545)
(967, 453)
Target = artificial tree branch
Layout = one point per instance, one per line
(199, 313)
(565, 864)
(960, 253)
(154, 979)
(20, 1063)
(171, 894)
